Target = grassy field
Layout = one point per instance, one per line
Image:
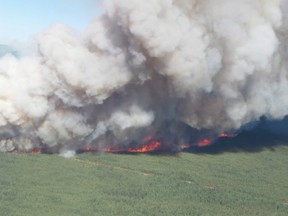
(122, 184)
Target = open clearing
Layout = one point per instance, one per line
(127, 184)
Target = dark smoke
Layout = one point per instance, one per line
(266, 134)
(165, 68)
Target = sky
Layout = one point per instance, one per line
(21, 19)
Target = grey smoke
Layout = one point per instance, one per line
(212, 66)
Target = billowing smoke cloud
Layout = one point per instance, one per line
(148, 67)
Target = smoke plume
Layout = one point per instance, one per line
(148, 67)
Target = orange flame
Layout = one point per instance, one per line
(204, 142)
(226, 135)
(185, 146)
(207, 142)
(36, 151)
(111, 150)
(150, 147)
(89, 149)
(154, 145)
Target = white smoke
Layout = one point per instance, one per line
(210, 65)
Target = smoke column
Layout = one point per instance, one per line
(147, 67)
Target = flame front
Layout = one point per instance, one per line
(185, 146)
(36, 151)
(149, 144)
(150, 147)
(204, 142)
(227, 135)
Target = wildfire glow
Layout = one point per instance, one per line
(89, 149)
(185, 146)
(150, 147)
(36, 151)
(111, 150)
(226, 135)
(204, 142)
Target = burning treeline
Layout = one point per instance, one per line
(162, 72)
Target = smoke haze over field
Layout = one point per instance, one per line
(148, 67)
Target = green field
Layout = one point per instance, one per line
(123, 184)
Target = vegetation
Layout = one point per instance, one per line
(129, 184)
